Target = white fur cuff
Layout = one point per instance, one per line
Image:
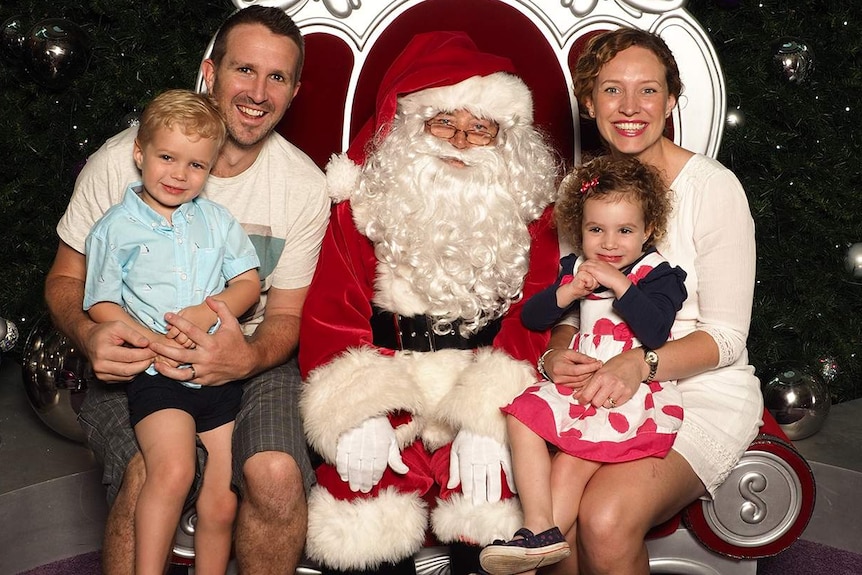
(364, 533)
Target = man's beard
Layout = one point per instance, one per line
(449, 239)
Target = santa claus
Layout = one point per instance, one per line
(411, 338)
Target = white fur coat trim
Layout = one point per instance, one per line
(458, 519)
(342, 177)
(489, 383)
(364, 533)
(362, 383)
(501, 97)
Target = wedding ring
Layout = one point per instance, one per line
(194, 374)
(611, 401)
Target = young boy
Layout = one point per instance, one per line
(162, 250)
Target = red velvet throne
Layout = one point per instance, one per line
(768, 499)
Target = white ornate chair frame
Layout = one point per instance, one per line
(767, 501)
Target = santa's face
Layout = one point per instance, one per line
(447, 227)
(462, 130)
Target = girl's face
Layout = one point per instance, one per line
(631, 103)
(613, 231)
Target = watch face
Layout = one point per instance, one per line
(651, 357)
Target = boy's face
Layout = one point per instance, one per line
(174, 167)
(613, 231)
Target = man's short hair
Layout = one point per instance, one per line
(274, 19)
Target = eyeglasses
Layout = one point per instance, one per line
(446, 131)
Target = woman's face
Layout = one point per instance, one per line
(631, 103)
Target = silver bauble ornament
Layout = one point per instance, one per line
(55, 378)
(853, 260)
(798, 401)
(12, 36)
(56, 52)
(8, 335)
(794, 59)
(735, 118)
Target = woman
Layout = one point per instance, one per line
(628, 81)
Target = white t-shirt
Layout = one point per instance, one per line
(280, 200)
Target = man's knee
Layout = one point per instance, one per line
(272, 474)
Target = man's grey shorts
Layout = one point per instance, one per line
(268, 420)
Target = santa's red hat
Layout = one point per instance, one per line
(446, 71)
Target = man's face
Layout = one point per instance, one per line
(254, 84)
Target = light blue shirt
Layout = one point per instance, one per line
(137, 260)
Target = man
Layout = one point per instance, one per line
(411, 338)
(277, 194)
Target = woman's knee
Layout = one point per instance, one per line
(218, 509)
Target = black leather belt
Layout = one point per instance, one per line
(416, 333)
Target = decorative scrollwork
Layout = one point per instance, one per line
(581, 8)
(342, 8)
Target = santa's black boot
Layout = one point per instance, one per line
(405, 567)
(464, 559)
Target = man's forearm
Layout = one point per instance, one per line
(274, 341)
(65, 296)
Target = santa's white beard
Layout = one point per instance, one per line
(450, 240)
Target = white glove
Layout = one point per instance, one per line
(475, 463)
(362, 453)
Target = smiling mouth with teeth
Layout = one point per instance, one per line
(630, 126)
(251, 112)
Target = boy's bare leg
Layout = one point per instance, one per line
(216, 504)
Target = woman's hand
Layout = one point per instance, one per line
(570, 368)
(615, 382)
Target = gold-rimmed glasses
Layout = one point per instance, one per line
(444, 130)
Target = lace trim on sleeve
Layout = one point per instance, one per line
(728, 348)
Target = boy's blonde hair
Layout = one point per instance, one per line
(194, 113)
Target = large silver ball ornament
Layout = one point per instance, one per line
(56, 52)
(8, 335)
(55, 378)
(12, 37)
(798, 401)
(853, 260)
(794, 59)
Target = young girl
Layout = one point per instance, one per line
(616, 210)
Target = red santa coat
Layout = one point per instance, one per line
(349, 380)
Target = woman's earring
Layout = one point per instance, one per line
(591, 113)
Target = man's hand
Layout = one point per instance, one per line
(363, 453)
(116, 351)
(476, 462)
(217, 358)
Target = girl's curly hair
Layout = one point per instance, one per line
(613, 179)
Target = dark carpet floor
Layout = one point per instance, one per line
(801, 558)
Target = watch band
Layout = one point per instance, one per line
(651, 359)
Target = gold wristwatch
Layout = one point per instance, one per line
(651, 359)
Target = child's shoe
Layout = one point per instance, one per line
(526, 554)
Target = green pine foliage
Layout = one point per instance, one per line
(796, 152)
(136, 50)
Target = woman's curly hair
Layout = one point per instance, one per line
(613, 179)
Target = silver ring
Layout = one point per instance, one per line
(194, 373)
(611, 401)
